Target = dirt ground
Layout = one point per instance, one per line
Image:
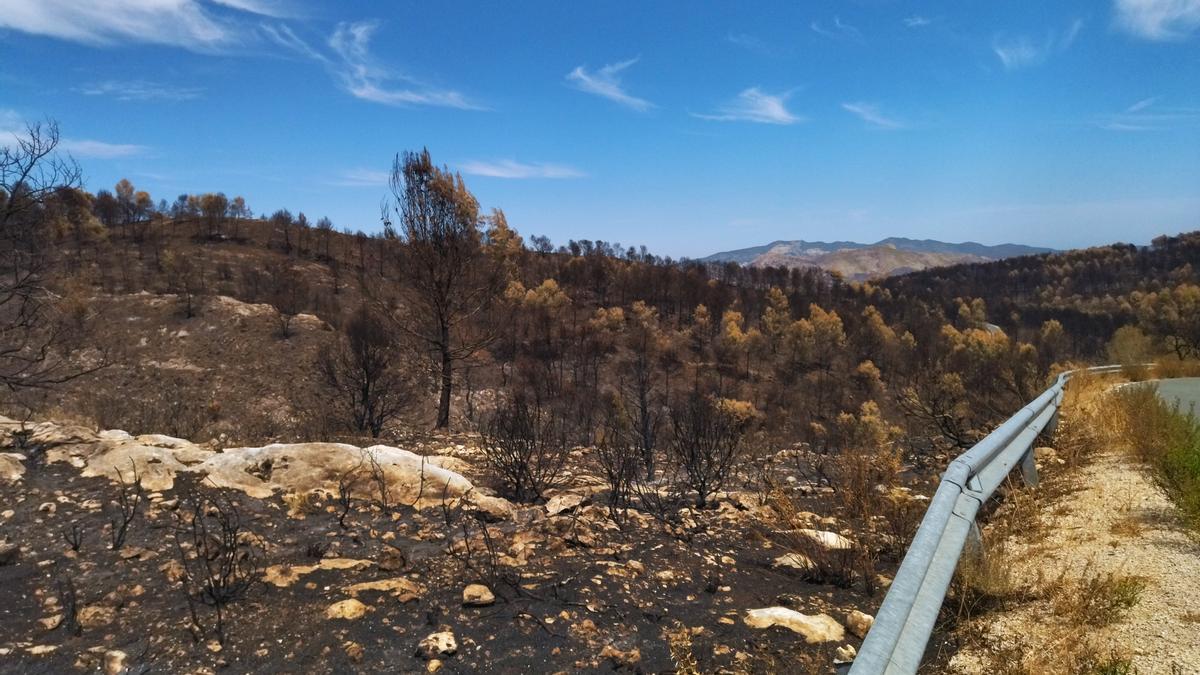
(573, 592)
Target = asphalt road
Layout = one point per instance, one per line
(1185, 390)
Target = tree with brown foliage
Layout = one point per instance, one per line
(450, 282)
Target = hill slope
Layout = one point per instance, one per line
(887, 257)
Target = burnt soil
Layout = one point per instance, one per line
(557, 610)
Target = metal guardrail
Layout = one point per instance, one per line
(905, 620)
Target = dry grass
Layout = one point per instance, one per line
(1129, 526)
(1165, 439)
(1077, 658)
(1169, 367)
(679, 642)
(300, 504)
(1096, 600)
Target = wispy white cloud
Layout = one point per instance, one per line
(1022, 51)
(222, 26)
(869, 113)
(837, 30)
(12, 125)
(1018, 52)
(360, 177)
(350, 61)
(606, 82)
(190, 24)
(363, 78)
(755, 105)
(1071, 33)
(749, 42)
(508, 168)
(917, 21)
(273, 8)
(1147, 115)
(100, 149)
(140, 90)
(283, 35)
(1142, 104)
(1159, 20)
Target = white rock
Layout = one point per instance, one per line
(346, 609)
(831, 541)
(796, 561)
(564, 502)
(114, 662)
(814, 628)
(477, 595)
(12, 466)
(441, 643)
(496, 508)
(844, 654)
(859, 622)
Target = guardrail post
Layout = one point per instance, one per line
(1052, 425)
(973, 546)
(1029, 470)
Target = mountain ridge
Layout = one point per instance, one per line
(859, 261)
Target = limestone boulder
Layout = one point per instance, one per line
(815, 628)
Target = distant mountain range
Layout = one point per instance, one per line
(887, 257)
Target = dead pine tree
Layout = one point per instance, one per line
(450, 282)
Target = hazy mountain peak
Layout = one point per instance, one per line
(886, 257)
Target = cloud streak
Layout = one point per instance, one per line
(1021, 51)
(606, 83)
(357, 72)
(140, 90)
(755, 105)
(1147, 115)
(508, 168)
(869, 113)
(360, 177)
(363, 78)
(1158, 20)
(188, 24)
(272, 8)
(838, 30)
(219, 26)
(12, 126)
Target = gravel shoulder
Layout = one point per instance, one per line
(1118, 522)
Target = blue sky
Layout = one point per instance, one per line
(687, 127)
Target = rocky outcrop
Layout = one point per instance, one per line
(304, 467)
(259, 472)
